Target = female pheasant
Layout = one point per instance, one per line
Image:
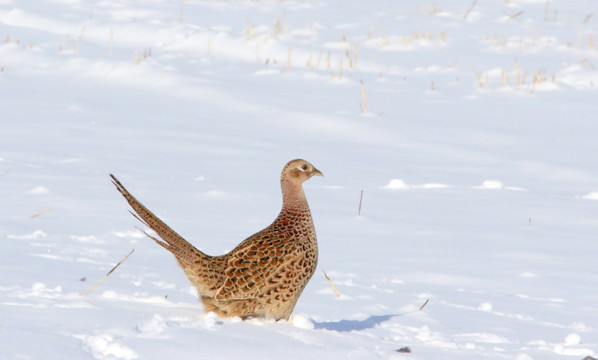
(265, 274)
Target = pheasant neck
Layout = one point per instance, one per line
(293, 197)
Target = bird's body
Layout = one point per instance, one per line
(265, 274)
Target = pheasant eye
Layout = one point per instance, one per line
(304, 167)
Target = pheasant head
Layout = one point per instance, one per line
(299, 171)
(294, 174)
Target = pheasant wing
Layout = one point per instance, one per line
(259, 265)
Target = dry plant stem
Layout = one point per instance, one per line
(76, 46)
(470, 8)
(514, 15)
(289, 59)
(363, 96)
(82, 33)
(587, 18)
(319, 59)
(276, 28)
(86, 292)
(40, 214)
(331, 284)
(518, 79)
(480, 80)
(538, 78)
(349, 59)
(248, 30)
(424, 305)
(360, 200)
(546, 10)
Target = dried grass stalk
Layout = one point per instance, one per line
(86, 292)
(331, 284)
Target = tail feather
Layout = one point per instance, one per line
(169, 239)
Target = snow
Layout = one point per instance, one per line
(591, 196)
(38, 190)
(396, 184)
(476, 158)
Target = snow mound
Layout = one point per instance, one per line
(591, 196)
(302, 321)
(396, 184)
(39, 190)
(400, 184)
(37, 234)
(491, 184)
(104, 347)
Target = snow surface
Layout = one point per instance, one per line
(197, 105)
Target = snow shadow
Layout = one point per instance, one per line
(351, 325)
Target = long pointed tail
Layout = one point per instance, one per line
(170, 240)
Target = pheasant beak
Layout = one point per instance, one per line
(316, 172)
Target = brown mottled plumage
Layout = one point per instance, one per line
(265, 274)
